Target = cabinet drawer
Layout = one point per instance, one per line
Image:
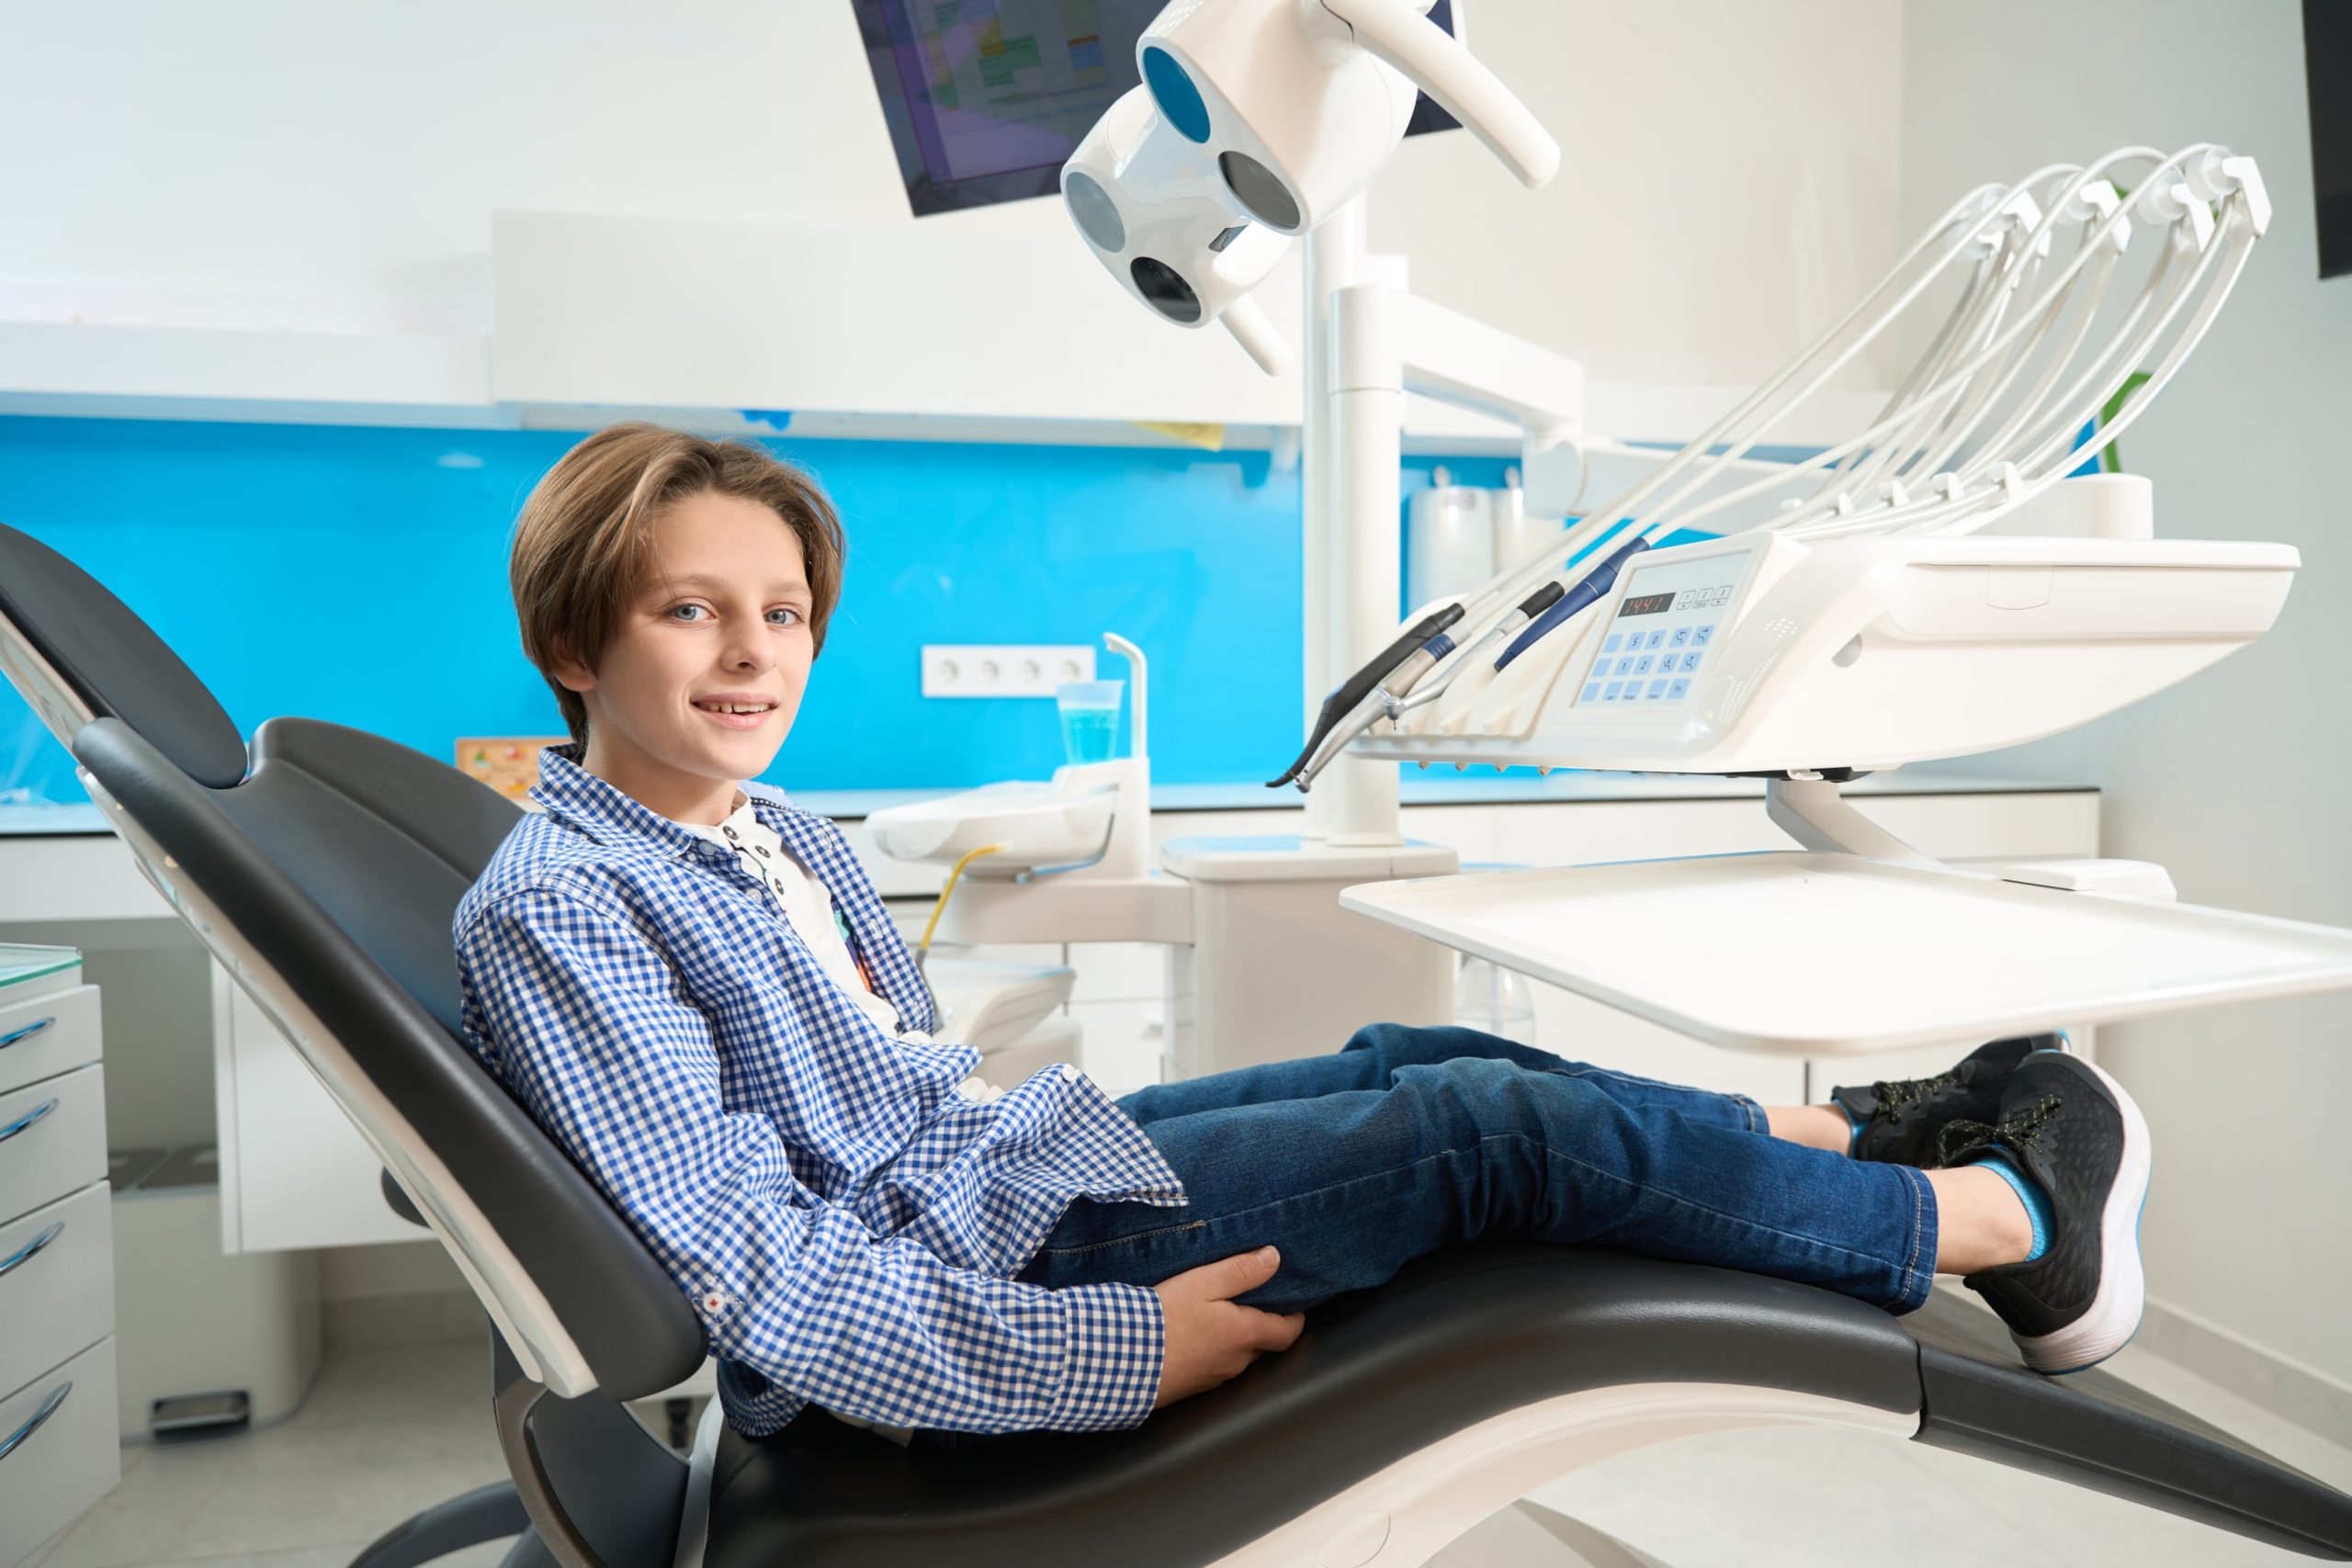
(63, 1461)
(56, 1284)
(43, 1036)
(59, 1141)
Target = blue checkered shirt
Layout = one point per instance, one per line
(845, 1223)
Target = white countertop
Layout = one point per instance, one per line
(1437, 787)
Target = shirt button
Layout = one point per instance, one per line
(1069, 1074)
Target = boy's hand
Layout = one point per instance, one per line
(1211, 1339)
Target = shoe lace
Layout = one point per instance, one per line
(2020, 1130)
(1902, 1094)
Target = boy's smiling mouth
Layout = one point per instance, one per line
(737, 710)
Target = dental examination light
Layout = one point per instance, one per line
(1863, 548)
(1258, 119)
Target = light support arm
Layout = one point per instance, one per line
(1396, 33)
(1461, 360)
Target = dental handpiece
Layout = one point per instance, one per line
(1595, 586)
(1359, 687)
(1409, 685)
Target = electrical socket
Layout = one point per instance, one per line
(1003, 669)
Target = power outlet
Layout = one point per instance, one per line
(1003, 669)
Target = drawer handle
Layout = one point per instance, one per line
(27, 1120)
(24, 1255)
(48, 1408)
(26, 1032)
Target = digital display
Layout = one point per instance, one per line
(1661, 649)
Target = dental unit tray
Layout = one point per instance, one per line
(1829, 955)
(1762, 653)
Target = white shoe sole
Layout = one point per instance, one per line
(2113, 1315)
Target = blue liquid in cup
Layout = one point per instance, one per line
(1089, 734)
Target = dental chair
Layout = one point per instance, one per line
(322, 868)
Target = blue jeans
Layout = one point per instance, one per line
(1412, 1139)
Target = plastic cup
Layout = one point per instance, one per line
(1090, 711)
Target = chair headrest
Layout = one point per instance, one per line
(117, 667)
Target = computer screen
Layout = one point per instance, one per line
(987, 99)
(2327, 66)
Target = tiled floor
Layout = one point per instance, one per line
(389, 1431)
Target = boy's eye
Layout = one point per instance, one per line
(683, 612)
(791, 617)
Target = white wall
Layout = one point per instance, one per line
(1729, 180)
(2236, 780)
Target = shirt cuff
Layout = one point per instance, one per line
(1117, 1339)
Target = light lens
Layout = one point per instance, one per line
(1256, 188)
(1096, 214)
(1166, 290)
(1172, 90)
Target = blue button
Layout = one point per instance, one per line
(1614, 688)
(1600, 668)
(1658, 639)
(1592, 692)
(1614, 639)
(1699, 637)
(1681, 634)
(1689, 662)
(1657, 688)
(1642, 665)
(1674, 691)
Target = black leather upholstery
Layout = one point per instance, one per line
(368, 847)
(115, 665)
(2099, 1431)
(1456, 1337)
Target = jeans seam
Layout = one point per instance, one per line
(1119, 1240)
(1918, 1236)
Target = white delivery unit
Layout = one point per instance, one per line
(58, 1447)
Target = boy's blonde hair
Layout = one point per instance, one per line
(583, 543)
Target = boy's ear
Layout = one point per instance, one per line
(569, 672)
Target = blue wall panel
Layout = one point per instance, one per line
(359, 575)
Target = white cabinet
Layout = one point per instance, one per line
(58, 1437)
(294, 1172)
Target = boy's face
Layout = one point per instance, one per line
(721, 623)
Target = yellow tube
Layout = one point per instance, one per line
(940, 908)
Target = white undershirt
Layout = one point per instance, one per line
(810, 907)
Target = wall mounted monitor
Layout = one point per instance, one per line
(2327, 71)
(987, 99)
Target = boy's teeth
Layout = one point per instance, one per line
(737, 708)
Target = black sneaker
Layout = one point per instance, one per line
(2080, 1138)
(1899, 1121)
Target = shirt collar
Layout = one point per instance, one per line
(610, 815)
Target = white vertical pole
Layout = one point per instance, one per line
(1335, 260)
(1367, 437)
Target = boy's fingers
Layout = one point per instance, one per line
(1276, 1332)
(1246, 1271)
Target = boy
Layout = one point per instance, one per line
(694, 990)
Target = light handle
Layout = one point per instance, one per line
(1258, 335)
(1398, 34)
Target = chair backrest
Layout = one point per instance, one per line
(324, 875)
(325, 880)
(78, 653)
